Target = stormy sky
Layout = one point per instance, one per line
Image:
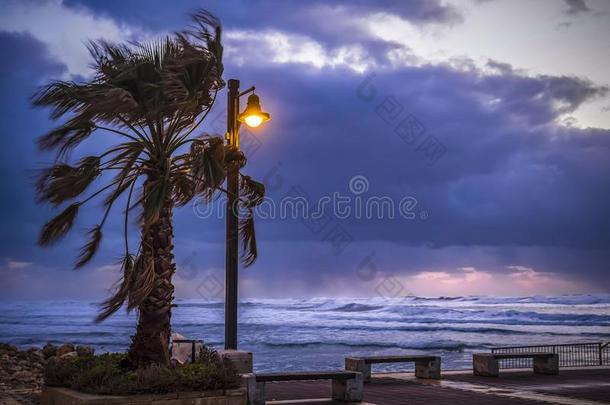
(476, 131)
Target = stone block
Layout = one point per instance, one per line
(359, 365)
(241, 359)
(484, 364)
(351, 390)
(547, 365)
(428, 369)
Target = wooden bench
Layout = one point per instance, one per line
(346, 385)
(486, 364)
(425, 366)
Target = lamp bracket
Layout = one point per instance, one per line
(250, 90)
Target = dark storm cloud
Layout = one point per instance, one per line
(25, 65)
(332, 23)
(510, 176)
(576, 7)
(269, 13)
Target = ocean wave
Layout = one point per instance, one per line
(478, 330)
(448, 346)
(354, 307)
(492, 320)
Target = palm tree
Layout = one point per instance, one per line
(151, 97)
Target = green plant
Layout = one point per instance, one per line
(104, 374)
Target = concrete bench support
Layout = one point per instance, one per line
(548, 365)
(351, 390)
(255, 390)
(359, 365)
(487, 364)
(346, 386)
(428, 368)
(425, 366)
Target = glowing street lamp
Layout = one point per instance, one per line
(253, 116)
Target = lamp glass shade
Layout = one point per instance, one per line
(253, 115)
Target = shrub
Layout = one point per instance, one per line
(104, 374)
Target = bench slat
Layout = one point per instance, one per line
(396, 359)
(305, 375)
(519, 355)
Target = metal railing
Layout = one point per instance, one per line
(604, 354)
(570, 355)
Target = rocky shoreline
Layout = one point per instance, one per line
(21, 371)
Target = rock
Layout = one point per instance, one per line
(69, 356)
(49, 350)
(22, 376)
(8, 349)
(84, 350)
(65, 348)
(36, 355)
(22, 356)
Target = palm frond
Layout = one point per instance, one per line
(108, 57)
(155, 195)
(88, 251)
(208, 29)
(63, 182)
(121, 291)
(58, 226)
(61, 96)
(183, 188)
(251, 191)
(234, 156)
(67, 137)
(206, 162)
(252, 194)
(247, 234)
(144, 281)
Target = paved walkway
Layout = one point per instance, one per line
(571, 387)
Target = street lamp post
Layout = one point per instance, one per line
(253, 116)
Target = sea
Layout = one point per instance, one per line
(316, 334)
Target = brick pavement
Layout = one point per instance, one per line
(571, 387)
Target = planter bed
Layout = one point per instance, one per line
(65, 396)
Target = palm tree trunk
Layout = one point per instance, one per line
(151, 341)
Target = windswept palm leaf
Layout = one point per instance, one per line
(122, 290)
(88, 251)
(143, 281)
(253, 194)
(58, 226)
(247, 234)
(63, 182)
